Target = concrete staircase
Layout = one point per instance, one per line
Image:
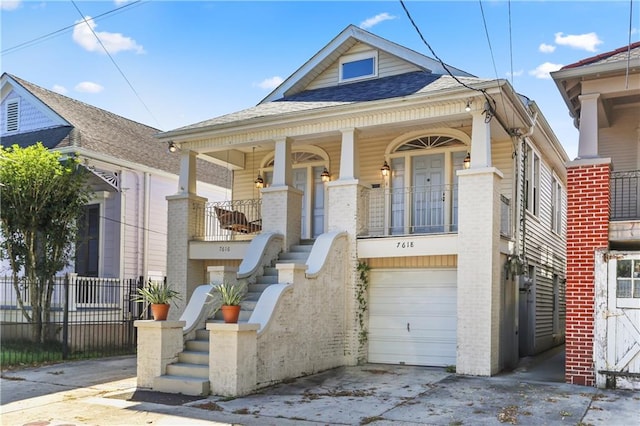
(190, 375)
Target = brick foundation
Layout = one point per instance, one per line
(587, 230)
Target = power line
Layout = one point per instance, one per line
(44, 37)
(491, 103)
(84, 19)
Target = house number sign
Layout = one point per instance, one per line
(404, 245)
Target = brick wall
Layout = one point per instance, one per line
(587, 230)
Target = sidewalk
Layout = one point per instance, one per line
(102, 392)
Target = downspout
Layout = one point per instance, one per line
(524, 192)
(145, 225)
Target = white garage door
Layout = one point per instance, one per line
(412, 316)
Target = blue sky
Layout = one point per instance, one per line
(187, 61)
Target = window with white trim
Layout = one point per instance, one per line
(628, 279)
(13, 115)
(556, 205)
(359, 66)
(532, 181)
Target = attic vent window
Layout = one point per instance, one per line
(359, 66)
(12, 116)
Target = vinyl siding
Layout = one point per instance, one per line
(387, 65)
(620, 142)
(449, 261)
(546, 250)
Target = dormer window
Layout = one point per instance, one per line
(359, 66)
(12, 117)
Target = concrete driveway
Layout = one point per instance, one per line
(103, 392)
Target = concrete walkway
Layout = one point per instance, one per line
(103, 392)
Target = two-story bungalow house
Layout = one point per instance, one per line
(603, 245)
(124, 229)
(387, 208)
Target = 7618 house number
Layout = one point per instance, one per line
(404, 244)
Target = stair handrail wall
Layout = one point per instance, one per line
(263, 250)
(203, 303)
(322, 247)
(282, 305)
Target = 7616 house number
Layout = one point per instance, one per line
(404, 244)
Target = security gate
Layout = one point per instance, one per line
(617, 328)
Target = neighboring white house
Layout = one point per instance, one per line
(125, 223)
(602, 93)
(451, 188)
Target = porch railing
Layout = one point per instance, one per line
(625, 195)
(228, 220)
(411, 210)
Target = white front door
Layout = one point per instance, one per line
(428, 193)
(412, 316)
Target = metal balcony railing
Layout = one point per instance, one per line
(228, 220)
(410, 210)
(625, 193)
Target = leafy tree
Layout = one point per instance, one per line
(41, 196)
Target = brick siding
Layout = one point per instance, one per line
(587, 230)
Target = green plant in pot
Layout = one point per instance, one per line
(231, 296)
(159, 296)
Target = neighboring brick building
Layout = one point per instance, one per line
(603, 298)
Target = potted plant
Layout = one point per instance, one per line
(231, 296)
(159, 295)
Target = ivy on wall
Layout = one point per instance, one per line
(361, 298)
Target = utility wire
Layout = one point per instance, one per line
(626, 82)
(493, 61)
(61, 30)
(114, 63)
(485, 94)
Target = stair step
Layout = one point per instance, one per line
(197, 345)
(253, 296)
(301, 248)
(202, 334)
(181, 385)
(266, 279)
(188, 370)
(301, 256)
(269, 271)
(194, 357)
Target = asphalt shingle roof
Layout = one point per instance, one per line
(617, 55)
(396, 86)
(103, 132)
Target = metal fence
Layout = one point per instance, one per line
(89, 317)
(625, 195)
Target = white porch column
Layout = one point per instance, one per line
(183, 223)
(480, 141)
(479, 272)
(588, 138)
(187, 181)
(348, 157)
(282, 172)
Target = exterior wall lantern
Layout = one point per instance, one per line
(325, 175)
(467, 161)
(385, 169)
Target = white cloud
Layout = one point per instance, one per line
(546, 48)
(588, 42)
(515, 73)
(370, 22)
(59, 89)
(120, 2)
(270, 83)
(10, 4)
(88, 87)
(543, 70)
(113, 42)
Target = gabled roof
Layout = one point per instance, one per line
(618, 62)
(617, 55)
(100, 131)
(342, 43)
